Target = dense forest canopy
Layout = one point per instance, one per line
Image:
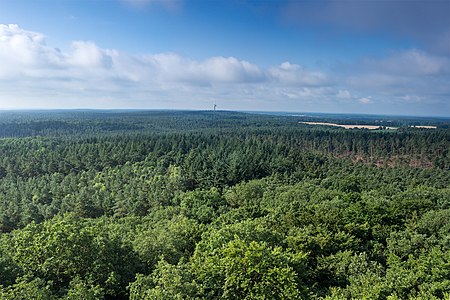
(222, 205)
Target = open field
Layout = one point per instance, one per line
(370, 127)
(426, 127)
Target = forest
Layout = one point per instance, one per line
(130, 204)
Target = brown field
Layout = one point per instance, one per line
(370, 127)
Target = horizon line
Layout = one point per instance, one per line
(220, 110)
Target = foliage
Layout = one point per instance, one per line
(190, 205)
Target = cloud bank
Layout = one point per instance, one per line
(34, 74)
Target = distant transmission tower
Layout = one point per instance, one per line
(214, 110)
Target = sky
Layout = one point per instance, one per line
(335, 56)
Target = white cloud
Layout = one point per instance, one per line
(24, 49)
(173, 67)
(411, 98)
(289, 73)
(411, 63)
(89, 55)
(27, 53)
(229, 70)
(34, 72)
(343, 94)
(366, 100)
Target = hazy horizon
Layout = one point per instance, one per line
(266, 112)
(326, 56)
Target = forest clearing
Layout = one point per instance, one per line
(370, 127)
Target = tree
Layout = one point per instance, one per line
(242, 270)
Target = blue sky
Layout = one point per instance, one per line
(384, 57)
